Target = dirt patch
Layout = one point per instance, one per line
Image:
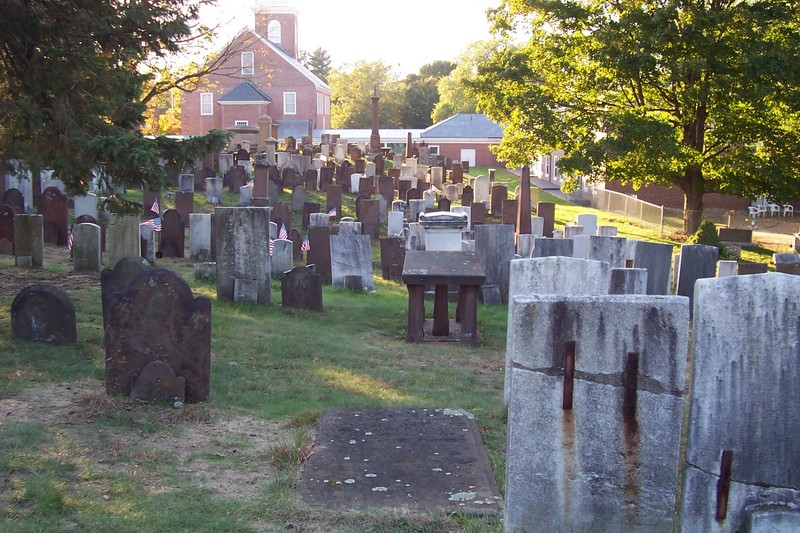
(228, 455)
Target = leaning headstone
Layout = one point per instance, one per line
(54, 207)
(44, 312)
(657, 259)
(86, 248)
(158, 319)
(282, 257)
(697, 261)
(242, 251)
(199, 235)
(628, 281)
(351, 256)
(551, 275)
(301, 288)
(173, 234)
(320, 252)
(29, 240)
(594, 418)
(742, 449)
(494, 244)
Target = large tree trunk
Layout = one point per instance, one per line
(693, 189)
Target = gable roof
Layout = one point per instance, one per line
(464, 126)
(318, 83)
(245, 92)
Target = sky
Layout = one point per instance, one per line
(404, 35)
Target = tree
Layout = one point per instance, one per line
(701, 94)
(351, 101)
(318, 62)
(454, 97)
(76, 82)
(420, 94)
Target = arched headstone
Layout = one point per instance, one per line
(44, 312)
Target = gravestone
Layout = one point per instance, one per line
(570, 232)
(241, 237)
(444, 205)
(413, 194)
(54, 207)
(261, 181)
(282, 257)
(544, 247)
(158, 319)
(494, 244)
(437, 176)
(312, 178)
(589, 223)
(457, 173)
(525, 206)
(349, 227)
(371, 218)
(85, 204)
(318, 219)
(498, 195)
(333, 200)
(382, 208)
(509, 214)
(697, 261)
(325, 177)
(200, 236)
(607, 231)
(299, 198)
(301, 288)
(297, 244)
(118, 278)
(173, 234)
(612, 250)
(746, 268)
(86, 248)
(403, 186)
(547, 211)
(6, 230)
(320, 253)
(308, 209)
(451, 192)
(386, 187)
(628, 281)
(235, 178)
(657, 259)
(380, 165)
(280, 215)
(184, 205)
(393, 254)
(351, 256)
(477, 214)
(742, 448)
(14, 198)
(587, 452)
(550, 275)
(245, 196)
(366, 186)
(395, 223)
(186, 183)
(481, 187)
(727, 268)
(537, 226)
(44, 312)
(213, 190)
(415, 208)
(467, 196)
(29, 240)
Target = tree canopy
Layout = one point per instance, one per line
(454, 94)
(351, 102)
(318, 62)
(701, 94)
(420, 94)
(74, 86)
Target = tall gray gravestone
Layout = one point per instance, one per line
(86, 249)
(743, 450)
(199, 235)
(122, 238)
(546, 247)
(242, 251)
(282, 257)
(351, 255)
(494, 244)
(594, 418)
(612, 250)
(657, 259)
(551, 275)
(29, 240)
(697, 261)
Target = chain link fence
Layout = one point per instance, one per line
(615, 202)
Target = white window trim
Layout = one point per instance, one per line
(248, 68)
(274, 31)
(434, 149)
(286, 97)
(241, 123)
(206, 104)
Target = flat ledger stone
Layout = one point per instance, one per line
(399, 458)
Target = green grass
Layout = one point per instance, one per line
(94, 470)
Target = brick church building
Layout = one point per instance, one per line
(260, 76)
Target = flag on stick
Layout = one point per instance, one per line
(306, 246)
(282, 234)
(332, 212)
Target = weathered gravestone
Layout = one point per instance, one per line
(6, 230)
(333, 200)
(742, 450)
(123, 237)
(54, 208)
(594, 418)
(395, 223)
(547, 211)
(299, 198)
(696, 261)
(282, 257)
(657, 259)
(281, 216)
(393, 254)
(14, 198)
(86, 248)
(43, 312)
(241, 237)
(173, 234)
(158, 319)
(386, 187)
(351, 256)
(297, 244)
(301, 287)
(498, 195)
(544, 247)
(319, 254)
(118, 278)
(213, 190)
(494, 244)
(199, 235)
(551, 275)
(184, 205)
(370, 218)
(477, 214)
(308, 209)
(589, 223)
(612, 250)
(85, 204)
(509, 214)
(628, 281)
(28, 240)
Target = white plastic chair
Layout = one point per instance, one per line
(752, 211)
(773, 209)
(788, 210)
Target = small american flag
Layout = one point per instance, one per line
(282, 234)
(69, 238)
(271, 246)
(433, 188)
(155, 208)
(155, 222)
(306, 246)
(332, 212)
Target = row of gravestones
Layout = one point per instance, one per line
(157, 335)
(596, 386)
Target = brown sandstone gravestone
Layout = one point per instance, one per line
(6, 229)
(301, 287)
(54, 207)
(119, 278)
(13, 198)
(43, 312)
(172, 241)
(158, 319)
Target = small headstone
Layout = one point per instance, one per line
(320, 253)
(727, 268)
(213, 190)
(29, 240)
(301, 287)
(44, 312)
(628, 281)
(157, 382)
(54, 207)
(186, 183)
(86, 248)
(85, 204)
(173, 234)
(589, 223)
(200, 236)
(13, 197)
(6, 230)
(282, 257)
(393, 253)
(351, 256)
